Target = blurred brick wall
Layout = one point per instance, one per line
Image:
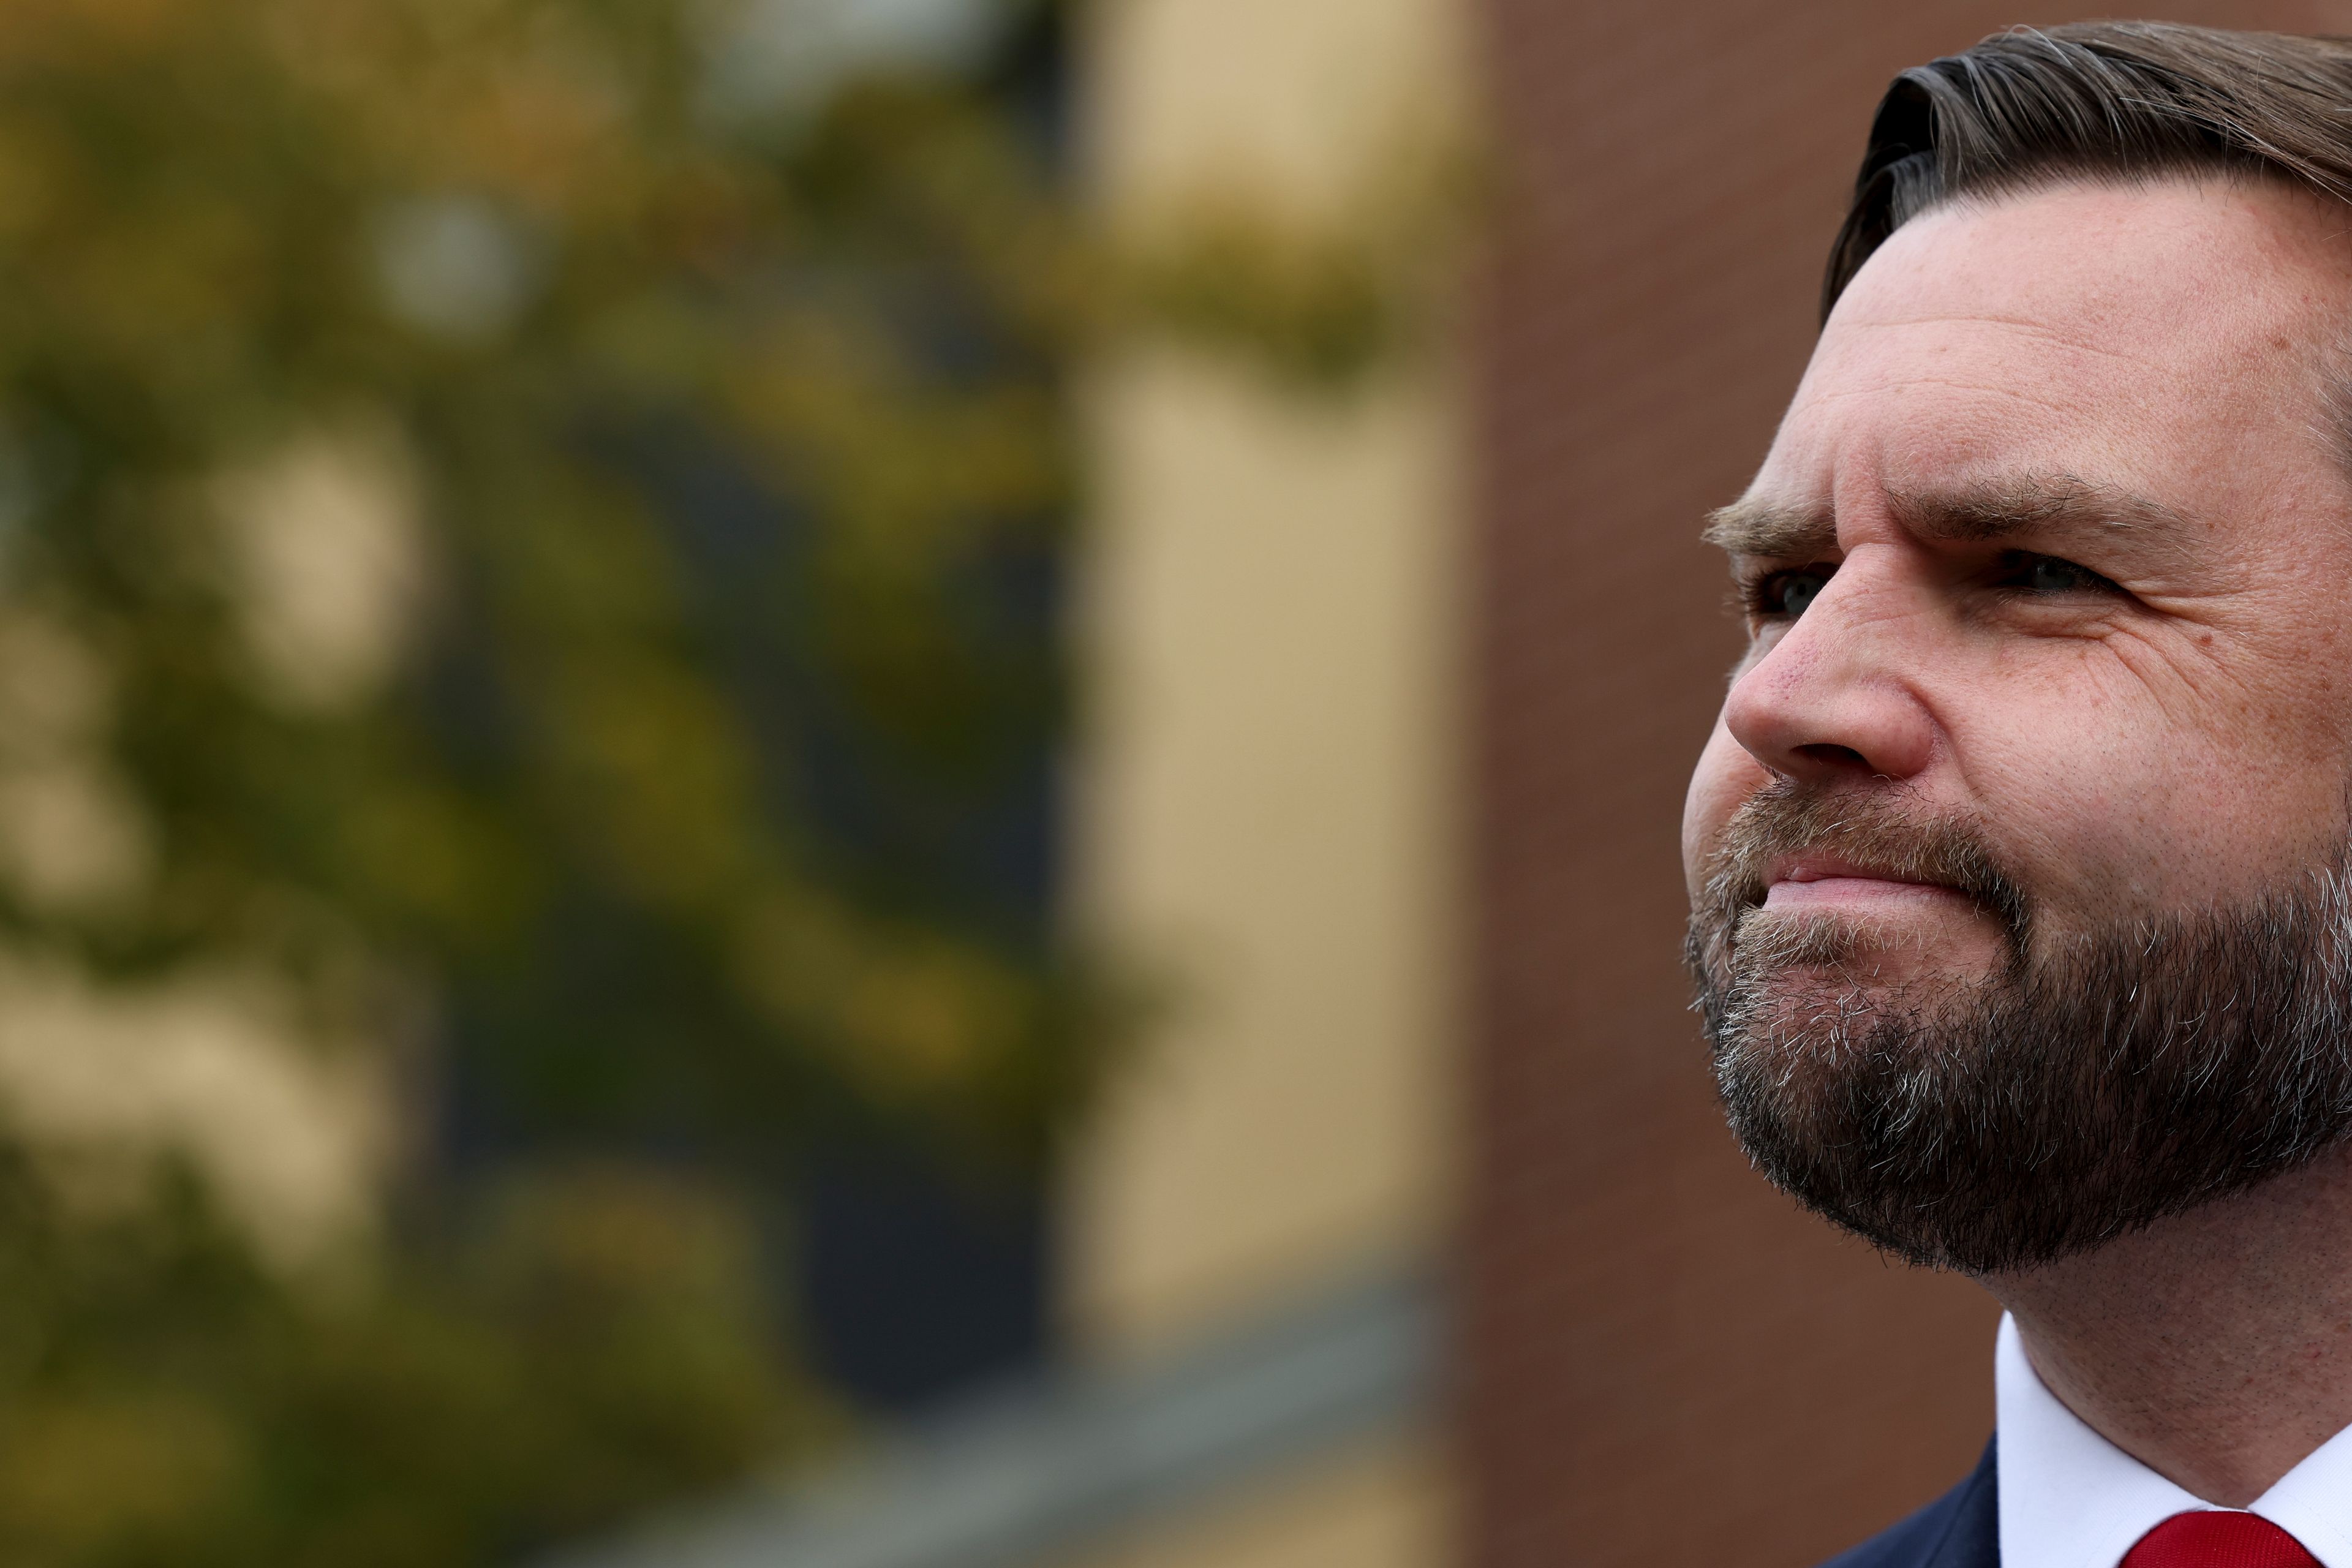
(1664, 1363)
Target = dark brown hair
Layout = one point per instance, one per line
(2104, 100)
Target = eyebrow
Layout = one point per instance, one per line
(2038, 504)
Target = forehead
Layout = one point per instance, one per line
(2169, 338)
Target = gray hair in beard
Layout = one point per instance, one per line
(2088, 1087)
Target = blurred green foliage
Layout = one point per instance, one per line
(1318, 306)
(593, 1350)
(494, 251)
(543, 572)
(479, 522)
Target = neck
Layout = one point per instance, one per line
(2215, 1348)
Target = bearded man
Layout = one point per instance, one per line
(2020, 858)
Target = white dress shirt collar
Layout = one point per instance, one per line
(2069, 1499)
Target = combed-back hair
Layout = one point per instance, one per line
(2100, 100)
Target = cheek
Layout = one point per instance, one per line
(1725, 776)
(2092, 823)
(2135, 798)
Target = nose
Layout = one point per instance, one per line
(1833, 700)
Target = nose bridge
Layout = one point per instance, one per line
(1839, 690)
(1862, 616)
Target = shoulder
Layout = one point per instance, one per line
(1958, 1529)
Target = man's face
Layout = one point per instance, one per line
(2050, 574)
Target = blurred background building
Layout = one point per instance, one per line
(891, 784)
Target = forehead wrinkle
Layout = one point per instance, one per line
(1953, 383)
(2021, 326)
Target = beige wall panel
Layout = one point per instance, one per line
(1268, 822)
(1301, 100)
(1267, 788)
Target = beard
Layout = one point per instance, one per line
(2086, 1086)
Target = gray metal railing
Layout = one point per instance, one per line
(1020, 1476)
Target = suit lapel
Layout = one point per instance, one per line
(1974, 1539)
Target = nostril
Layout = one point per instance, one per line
(1834, 756)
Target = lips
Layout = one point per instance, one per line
(1804, 880)
(1832, 868)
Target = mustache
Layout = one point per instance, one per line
(1882, 830)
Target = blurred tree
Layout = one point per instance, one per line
(525, 532)
(528, 534)
(337, 338)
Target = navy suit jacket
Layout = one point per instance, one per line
(1959, 1530)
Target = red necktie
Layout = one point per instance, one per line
(2218, 1541)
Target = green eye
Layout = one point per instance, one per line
(1790, 593)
